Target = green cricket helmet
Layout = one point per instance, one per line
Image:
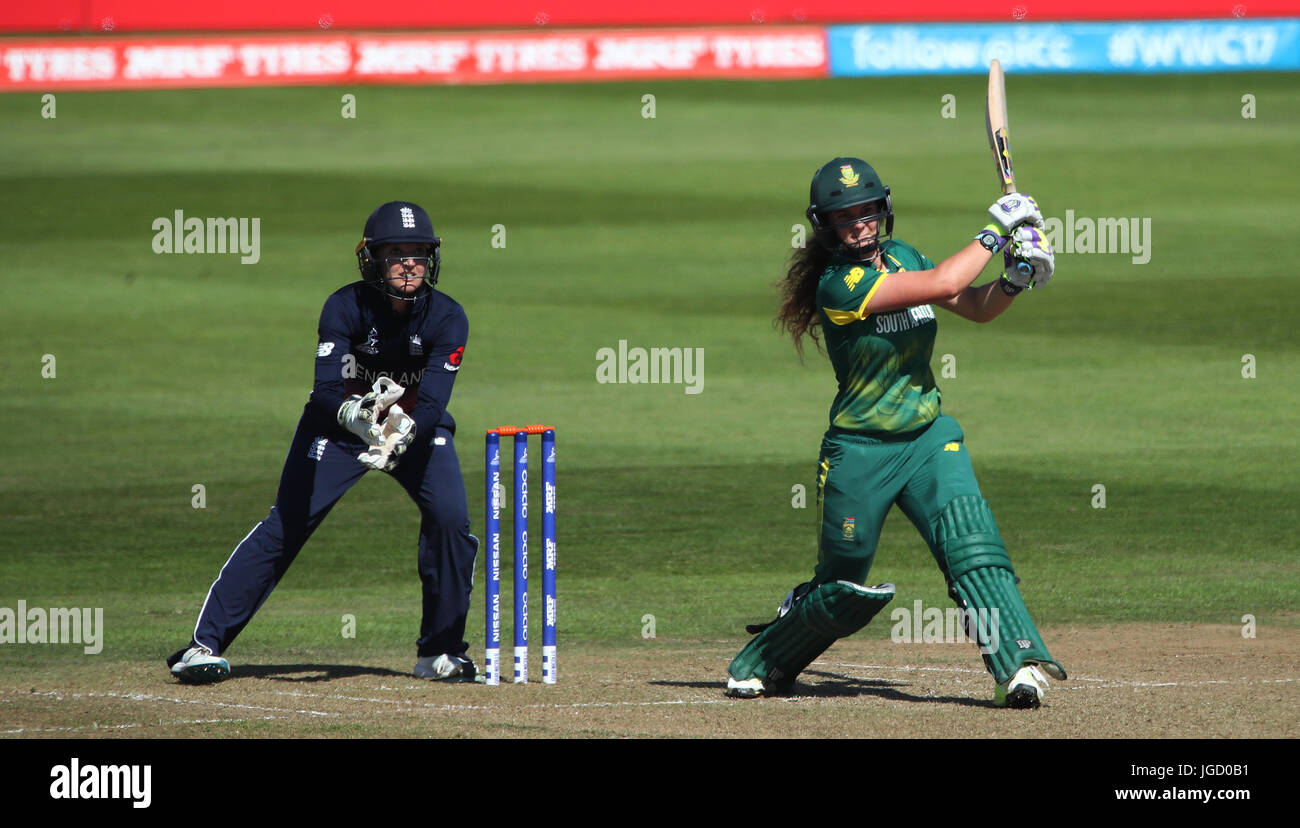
(843, 183)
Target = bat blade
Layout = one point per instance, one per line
(995, 120)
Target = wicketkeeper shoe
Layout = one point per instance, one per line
(1024, 691)
(198, 665)
(446, 667)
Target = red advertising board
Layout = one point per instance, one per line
(175, 62)
(302, 15)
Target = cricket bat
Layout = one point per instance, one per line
(995, 120)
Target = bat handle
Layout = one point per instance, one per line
(1024, 268)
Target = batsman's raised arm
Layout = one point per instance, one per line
(948, 279)
(947, 284)
(1028, 261)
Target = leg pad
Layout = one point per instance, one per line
(826, 613)
(982, 582)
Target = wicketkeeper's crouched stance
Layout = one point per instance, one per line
(888, 443)
(388, 352)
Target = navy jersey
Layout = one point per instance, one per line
(361, 338)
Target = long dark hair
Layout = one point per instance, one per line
(798, 313)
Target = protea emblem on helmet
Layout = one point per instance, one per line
(847, 176)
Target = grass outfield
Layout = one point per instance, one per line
(177, 370)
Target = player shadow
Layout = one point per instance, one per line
(309, 673)
(833, 685)
(837, 685)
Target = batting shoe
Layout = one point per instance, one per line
(750, 688)
(198, 665)
(1024, 691)
(446, 667)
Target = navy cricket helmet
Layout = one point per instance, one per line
(842, 183)
(397, 222)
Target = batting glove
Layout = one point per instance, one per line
(1013, 210)
(396, 434)
(1029, 259)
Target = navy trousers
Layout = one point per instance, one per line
(316, 474)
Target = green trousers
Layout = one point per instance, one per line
(860, 478)
(928, 474)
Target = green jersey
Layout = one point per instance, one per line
(881, 360)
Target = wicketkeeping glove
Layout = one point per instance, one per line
(360, 415)
(1028, 246)
(387, 392)
(396, 433)
(1013, 210)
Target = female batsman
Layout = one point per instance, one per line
(388, 351)
(888, 443)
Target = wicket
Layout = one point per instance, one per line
(492, 505)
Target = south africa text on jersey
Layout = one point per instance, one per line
(904, 320)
